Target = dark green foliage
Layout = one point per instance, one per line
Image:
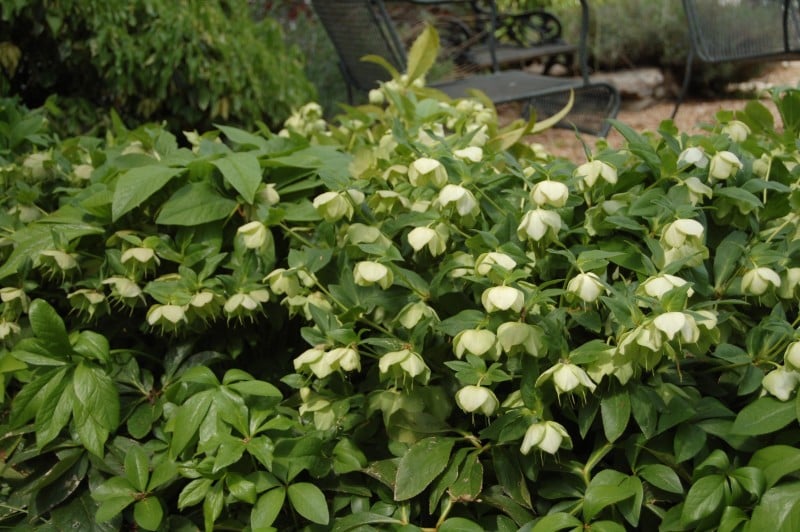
(188, 62)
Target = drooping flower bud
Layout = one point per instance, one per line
(553, 193)
(463, 200)
(567, 377)
(693, 156)
(333, 206)
(674, 323)
(471, 153)
(499, 298)
(586, 286)
(736, 130)
(368, 273)
(254, 234)
(781, 382)
(590, 172)
(724, 165)
(545, 435)
(478, 342)
(472, 399)
(755, 282)
(538, 223)
(426, 171)
(404, 363)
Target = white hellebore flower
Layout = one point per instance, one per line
(755, 282)
(736, 130)
(781, 382)
(683, 231)
(412, 313)
(141, 255)
(789, 283)
(586, 286)
(590, 172)
(659, 285)
(254, 234)
(465, 202)
(471, 153)
(282, 282)
(502, 298)
(376, 97)
(546, 435)
(792, 356)
(553, 193)
(313, 360)
(245, 302)
(426, 170)
(693, 156)
(65, 261)
(539, 222)
(472, 399)
(172, 314)
(368, 273)
(567, 377)
(724, 164)
(435, 239)
(402, 363)
(486, 262)
(512, 334)
(478, 342)
(333, 206)
(673, 323)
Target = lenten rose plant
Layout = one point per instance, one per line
(406, 318)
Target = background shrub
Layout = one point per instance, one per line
(187, 62)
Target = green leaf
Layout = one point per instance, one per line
(421, 465)
(705, 497)
(257, 389)
(459, 524)
(195, 204)
(598, 497)
(347, 457)
(242, 137)
(778, 509)
(557, 521)
(111, 508)
(776, 461)
(95, 390)
(689, 440)
(136, 185)
(615, 410)
(763, 416)
(309, 501)
(188, 419)
(48, 326)
(267, 508)
(137, 468)
(242, 171)
(194, 492)
(361, 520)
(79, 514)
(55, 409)
(423, 53)
(212, 505)
(470, 479)
(93, 346)
(148, 513)
(662, 477)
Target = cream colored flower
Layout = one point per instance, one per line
(434, 239)
(478, 342)
(659, 285)
(487, 261)
(790, 280)
(472, 399)
(736, 130)
(500, 298)
(465, 203)
(63, 260)
(683, 231)
(781, 382)
(515, 334)
(590, 172)
(546, 435)
(140, 255)
(254, 234)
(426, 171)
(333, 206)
(693, 156)
(553, 193)
(538, 223)
(757, 281)
(471, 153)
(412, 313)
(172, 314)
(724, 165)
(567, 377)
(368, 273)
(674, 323)
(402, 363)
(586, 286)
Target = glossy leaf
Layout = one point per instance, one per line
(148, 513)
(309, 501)
(615, 411)
(421, 465)
(763, 416)
(195, 204)
(138, 184)
(242, 172)
(267, 508)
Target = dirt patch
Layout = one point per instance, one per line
(647, 115)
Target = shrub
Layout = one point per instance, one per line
(190, 63)
(407, 317)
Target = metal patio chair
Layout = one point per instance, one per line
(364, 27)
(474, 42)
(722, 31)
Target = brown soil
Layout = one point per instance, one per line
(646, 116)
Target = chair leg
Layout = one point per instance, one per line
(685, 86)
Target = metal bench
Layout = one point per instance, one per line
(723, 31)
(466, 29)
(364, 27)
